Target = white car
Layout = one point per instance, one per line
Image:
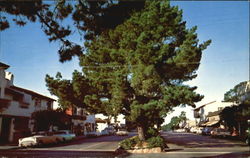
(180, 130)
(38, 140)
(197, 130)
(66, 135)
(122, 132)
(93, 134)
(29, 141)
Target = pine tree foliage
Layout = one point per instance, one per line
(135, 59)
(138, 68)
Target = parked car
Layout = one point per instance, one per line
(110, 130)
(207, 131)
(248, 137)
(197, 130)
(66, 135)
(39, 139)
(220, 132)
(122, 132)
(105, 132)
(29, 141)
(248, 133)
(93, 134)
(180, 130)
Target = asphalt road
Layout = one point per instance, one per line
(189, 145)
(103, 143)
(181, 145)
(104, 146)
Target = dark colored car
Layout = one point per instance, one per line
(207, 131)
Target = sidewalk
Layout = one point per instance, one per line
(8, 146)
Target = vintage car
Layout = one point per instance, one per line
(207, 131)
(122, 132)
(197, 130)
(65, 135)
(104, 132)
(93, 134)
(39, 139)
(110, 130)
(220, 132)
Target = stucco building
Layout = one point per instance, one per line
(208, 114)
(82, 121)
(16, 106)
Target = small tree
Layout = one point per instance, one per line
(235, 94)
(45, 119)
(175, 121)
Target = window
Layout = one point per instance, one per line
(16, 98)
(38, 102)
(82, 112)
(49, 105)
(74, 111)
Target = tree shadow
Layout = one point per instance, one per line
(61, 154)
(194, 141)
(230, 155)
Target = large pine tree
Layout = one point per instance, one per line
(135, 61)
(137, 68)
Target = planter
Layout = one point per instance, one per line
(146, 150)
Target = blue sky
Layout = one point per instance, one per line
(224, 63)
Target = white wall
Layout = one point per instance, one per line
(216, 106)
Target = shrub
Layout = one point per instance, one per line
(129, 143)
(152, 132)
(156, 142)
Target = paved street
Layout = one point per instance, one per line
(181, 145)
(104, 146)
(188, 145)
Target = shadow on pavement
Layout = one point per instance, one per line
(231, 155)
(61, 154)
(193, 141)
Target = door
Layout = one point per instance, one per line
(5, 132)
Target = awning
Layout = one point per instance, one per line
(212, 123)
(99, 120)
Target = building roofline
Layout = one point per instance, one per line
(32, 93)
(204, 105)
(5, 66)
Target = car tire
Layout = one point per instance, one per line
(57, 140)
(40, 143)
(21, 145)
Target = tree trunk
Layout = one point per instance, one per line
(141, 133)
